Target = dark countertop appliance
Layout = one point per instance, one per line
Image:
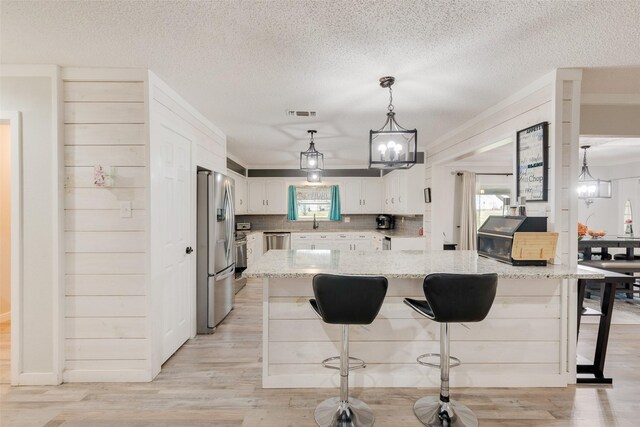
(385, 222)
(496, 236)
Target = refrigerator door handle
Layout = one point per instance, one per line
(225, 273)
(229, 218)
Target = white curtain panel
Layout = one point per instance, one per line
(468, 226)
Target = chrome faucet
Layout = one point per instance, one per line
(315, 223)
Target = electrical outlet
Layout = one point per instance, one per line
(347, 219)
(125, 209)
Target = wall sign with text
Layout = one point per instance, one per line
(532, 158)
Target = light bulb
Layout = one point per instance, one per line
(312, 161)
(382, 148)
(391, 144)
(398, 148)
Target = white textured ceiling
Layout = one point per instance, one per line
(244, 63)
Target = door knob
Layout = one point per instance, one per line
(189, 249)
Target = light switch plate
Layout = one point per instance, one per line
(125, 209)
(347, 219)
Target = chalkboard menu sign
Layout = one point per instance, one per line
(532, 154)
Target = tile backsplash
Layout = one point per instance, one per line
(356, 222)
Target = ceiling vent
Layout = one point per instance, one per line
(297, 113)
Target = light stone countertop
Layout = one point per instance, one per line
(398, 264)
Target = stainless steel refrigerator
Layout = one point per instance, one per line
(215, 250)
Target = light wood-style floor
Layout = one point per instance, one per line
(215, 381)
(5, 352)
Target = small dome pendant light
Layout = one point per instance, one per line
(311, 160)
(392, 146)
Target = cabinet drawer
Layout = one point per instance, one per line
(301, 237)
(344, 236)
(323, 237)
(361, 236)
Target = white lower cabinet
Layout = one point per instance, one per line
(301, 241)
(254, 248)
(376, 241)
(333, 241)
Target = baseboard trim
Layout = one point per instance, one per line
(5, 317)
(38, 378)
(115, 376)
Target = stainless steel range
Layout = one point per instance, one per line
(242, 228)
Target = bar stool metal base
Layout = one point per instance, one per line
(428, 411)
(356, 413)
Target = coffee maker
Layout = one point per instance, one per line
(384, 222)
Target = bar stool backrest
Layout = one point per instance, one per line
(349, 300)
(460, 297)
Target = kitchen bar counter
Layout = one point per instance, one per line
(401, 264)
(527, 340)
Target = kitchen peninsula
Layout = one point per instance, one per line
(527, 340)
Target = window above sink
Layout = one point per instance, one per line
(313, 199)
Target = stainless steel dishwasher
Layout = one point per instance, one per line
(277, 241)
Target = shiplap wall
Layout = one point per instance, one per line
(555, 98)
(106, 336)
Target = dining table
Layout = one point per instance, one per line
(587, 244)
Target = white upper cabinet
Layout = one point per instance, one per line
(241, 202)
(350, 196)
(372, 192)
(276, 203)
(362, 195)
(266, 196)
(404, 191)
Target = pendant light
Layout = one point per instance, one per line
(311, 160)
(315, 176)
(392, 146)
(590, 188)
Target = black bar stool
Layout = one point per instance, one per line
(451, 298)
(346, 300)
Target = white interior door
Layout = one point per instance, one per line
(176, 263)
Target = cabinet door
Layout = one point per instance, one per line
(241, 194)
(361, 245)
(343, 246)
(376, 243)
(323, 241)
(372, 195)
(275, 193)
(391, 190)
(415, 190)
(351, 199)
(401, 191)
(254, 248)
(257, 197)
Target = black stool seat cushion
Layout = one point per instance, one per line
(348, 300)
(460, 297)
